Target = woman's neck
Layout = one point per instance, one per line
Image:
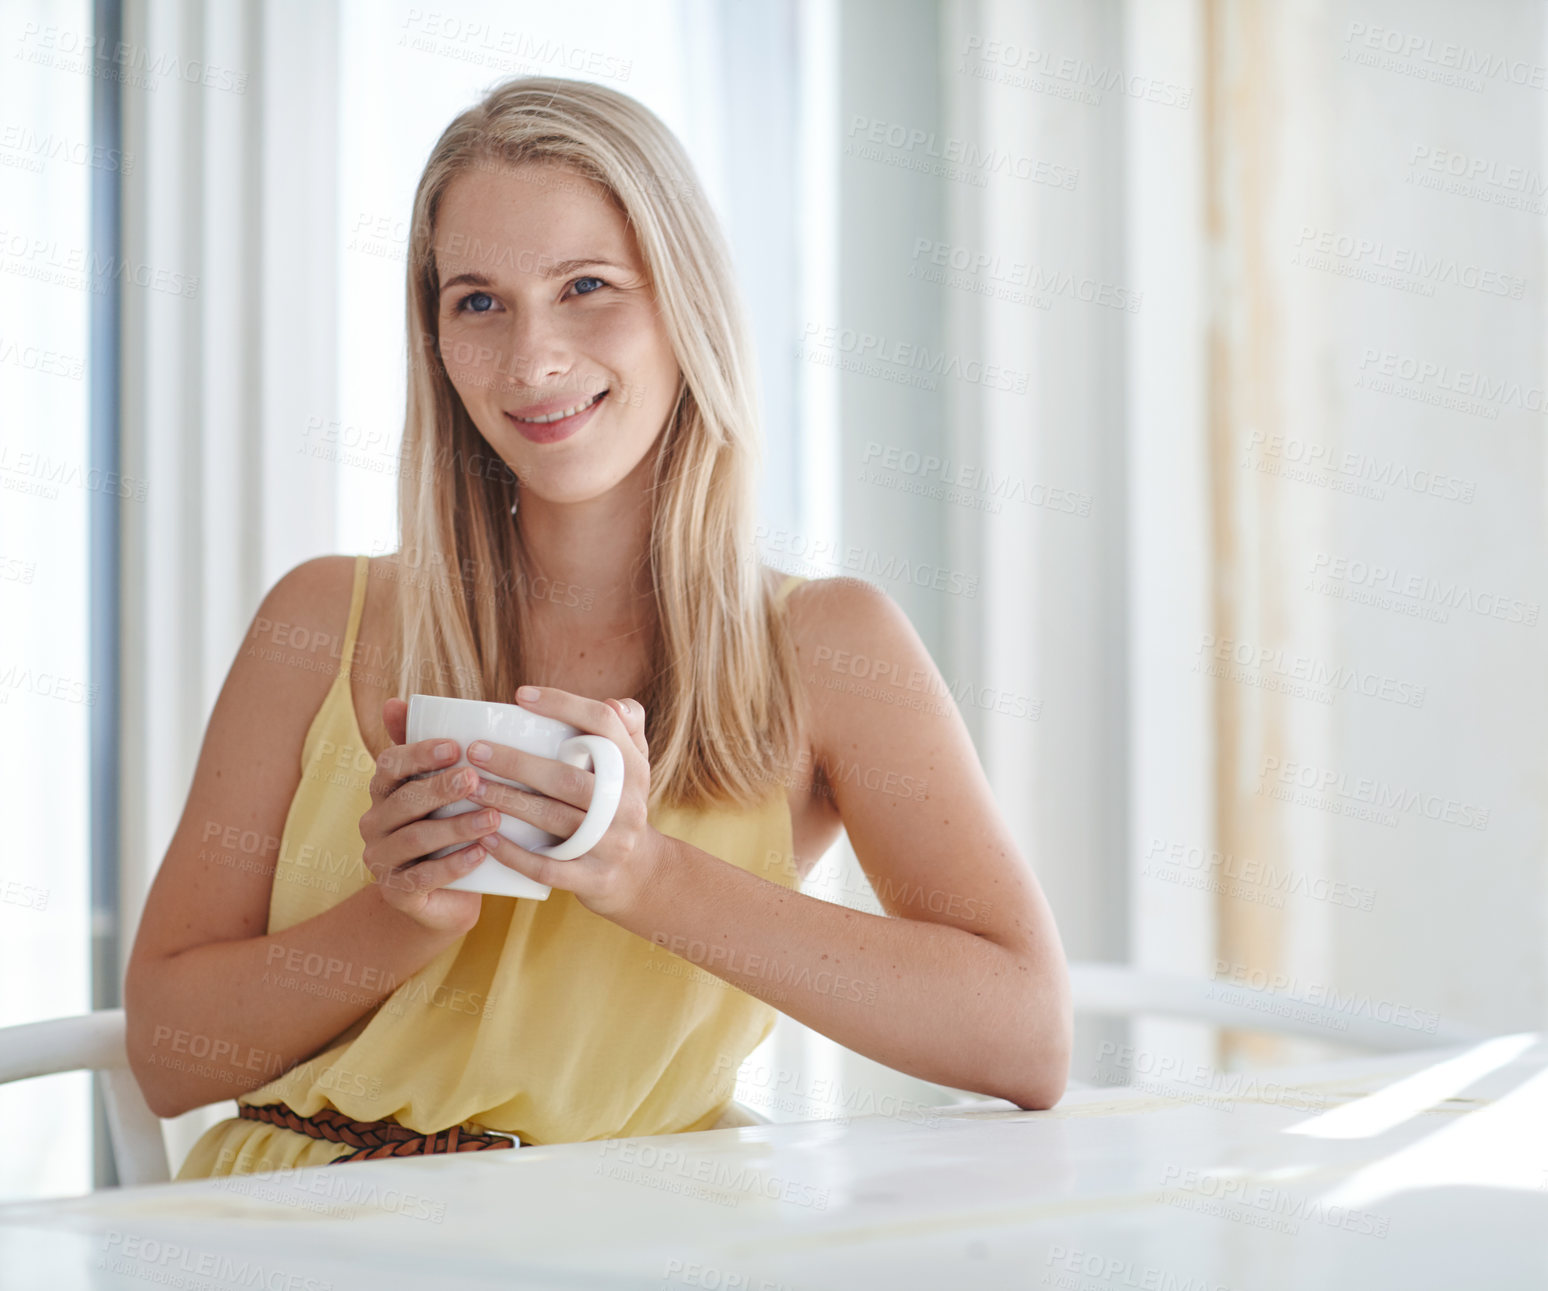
(587, 565)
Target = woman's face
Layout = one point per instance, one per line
(545, 308)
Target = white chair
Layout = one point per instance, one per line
(1117, 990)
(93, 1042)
(1122, 991)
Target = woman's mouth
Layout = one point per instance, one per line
(551, 427)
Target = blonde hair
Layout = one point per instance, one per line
(723, 702)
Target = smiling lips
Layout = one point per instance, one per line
(560, 423)
(561, 415)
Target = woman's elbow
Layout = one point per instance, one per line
(1045, 1090)
(1043, 1066)
(160, 1102)
(140, 1031)
(154, 1087)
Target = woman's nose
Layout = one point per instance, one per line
(539, 348)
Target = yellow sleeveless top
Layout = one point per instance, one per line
(544, 1021)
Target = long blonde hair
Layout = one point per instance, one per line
(724, 702)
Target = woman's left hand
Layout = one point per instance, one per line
(609, 878)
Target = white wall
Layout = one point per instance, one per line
(1457, 925)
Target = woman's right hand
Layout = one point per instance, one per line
(397, 831)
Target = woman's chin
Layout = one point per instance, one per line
(551, 489)
(576, 480)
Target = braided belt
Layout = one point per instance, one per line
(374, 1140)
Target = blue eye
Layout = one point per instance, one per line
(462, 305)
(598, 281)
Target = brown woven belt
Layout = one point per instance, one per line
(374, 1140)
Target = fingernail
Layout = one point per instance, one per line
(445, 750)
(479, 752)
(527, 692)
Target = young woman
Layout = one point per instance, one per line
(576, 511)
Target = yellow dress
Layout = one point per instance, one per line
(544, 1021)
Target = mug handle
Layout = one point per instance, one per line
(606, 760)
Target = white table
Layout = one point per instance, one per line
(1424, 1170)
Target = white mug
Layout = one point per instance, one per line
(467, 720)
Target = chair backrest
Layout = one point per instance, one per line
(93, 1042)
(1118, 990)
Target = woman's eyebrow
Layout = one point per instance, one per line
(550, 269)
(471, 279)
(570, 266)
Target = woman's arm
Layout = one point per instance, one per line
(216, 1006)
(964, 980)
(922, 997)
(226, 1017)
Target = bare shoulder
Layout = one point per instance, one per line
(322, 601)
(850, 637)
(822, 594)
(215, 877)
(290, 655)
(313, 600)
(303, 618)
(883, 699)
(832, 592)
(313, 592)
(830, 617)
